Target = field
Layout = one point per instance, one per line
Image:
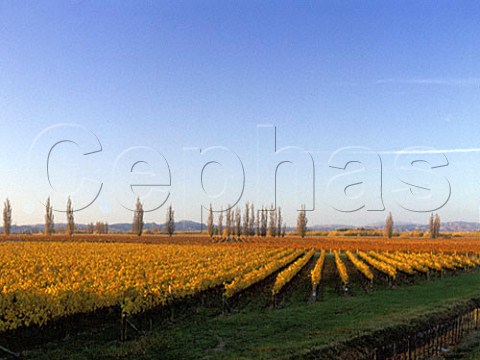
(239, 297)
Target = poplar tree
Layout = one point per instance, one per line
(251, 221)
(246, 220)
(279, 222)
(170, 221)
(389, 226)
(49, 225)
(220, 222)
(137, 225)
(228, 221)
(70, 220)
(101, 228)
(436, 226)
(257, 224)
(210, 222)
(302, 222)
(7, 217)
(263, 222)
(431, 226)
(238, 222)
(272, 224)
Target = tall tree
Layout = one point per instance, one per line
(251, 221)
(263, 222)
(389, 226)
(228, 221)
(436, 226)
(210, 222)
(272, 223)
(238, 222)
(137, 225)
(302, 222)
(257, 223)
(98, 228)
(7, 217)
(101, 228)
(246, 220)
(70, 220)
(284, 229)
(220, 222)
(431, 226)
(170, 221)
(49, 225)
(279, 222)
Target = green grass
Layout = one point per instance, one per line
(256, 332)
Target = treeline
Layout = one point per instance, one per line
(265, 222)
(433, 226)
(137, 224)
(98, 228)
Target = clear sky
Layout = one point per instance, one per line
(166, 76)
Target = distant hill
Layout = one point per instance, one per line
(451, 226)
(188, 225)
(183, 225)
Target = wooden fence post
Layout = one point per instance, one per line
(123, 327)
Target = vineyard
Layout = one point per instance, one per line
(43, 281)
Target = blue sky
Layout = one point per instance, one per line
(172, 75)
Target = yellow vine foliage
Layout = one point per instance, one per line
(316, 273)
(342, 270)
(284, 277)
(42, 281)
(415, 261)
(248, 279)
(379, 265)
(360, 265)
(402, 266)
